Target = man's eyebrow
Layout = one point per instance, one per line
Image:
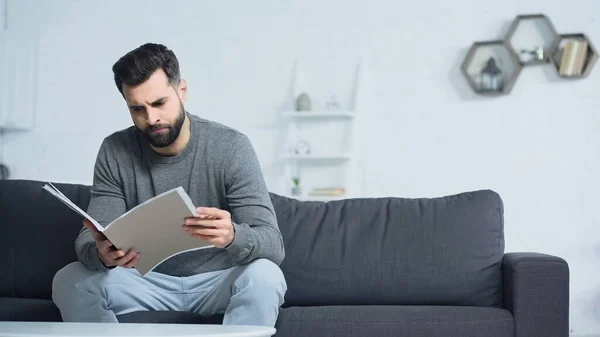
(133, 106)
(160, 99)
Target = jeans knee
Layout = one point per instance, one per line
(66, 278)
(263, 274)
(76, 276)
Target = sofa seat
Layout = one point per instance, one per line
(28, 309)
(405, 321)
(355, 320)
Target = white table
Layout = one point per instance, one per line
(61, 329)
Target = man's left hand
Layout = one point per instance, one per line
(211, 224)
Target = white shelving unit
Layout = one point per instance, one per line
(333, 138)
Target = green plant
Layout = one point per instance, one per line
(296, 181)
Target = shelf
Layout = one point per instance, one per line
(531, 37)
(340, 156)
(5, 129)
(582, 53)
(320, 106)
(320, 114)
(318, 198)
(491, 68)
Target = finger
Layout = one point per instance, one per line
(204, 216)
(104, 245)
(127, 258)
(206, 232)
(87, 224)
(97, 235)
(115, 254)
(205, 238)
(196, 222)
(212, 212)
(133, 262)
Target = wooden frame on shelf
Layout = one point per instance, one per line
(496, 56)
(531, 36)
(583, 56)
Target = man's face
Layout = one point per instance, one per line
(157, 108)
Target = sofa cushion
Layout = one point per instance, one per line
(38, 235)
(382, 321)
(31, 310)
(421, 321)
(398, 251)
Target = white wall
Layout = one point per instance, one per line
(423, 133)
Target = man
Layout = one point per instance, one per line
(217, 166)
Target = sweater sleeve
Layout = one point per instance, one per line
(257, 233)
(107, 202)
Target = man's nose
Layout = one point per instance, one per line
(152, 116)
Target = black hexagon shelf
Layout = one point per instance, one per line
(491, 68)
(573, 55)
(531, 36)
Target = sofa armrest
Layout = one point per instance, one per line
(536, 292)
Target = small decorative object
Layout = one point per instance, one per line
(333, 103)
(491, 76)
(491, 68)
(302, 148)
(539, 54)
(296, 190)
(536, 55)
(303, 102)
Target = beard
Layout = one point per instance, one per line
(167, 138)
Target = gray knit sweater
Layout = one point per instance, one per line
(218, 168)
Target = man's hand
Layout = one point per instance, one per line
(108, 254)
(211, 224)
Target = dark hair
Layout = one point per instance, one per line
(136, 66)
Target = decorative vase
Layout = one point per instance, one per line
(296, 191)
(303, 102)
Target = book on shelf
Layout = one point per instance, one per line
(327, 191)
(574, 57)
(152, 228)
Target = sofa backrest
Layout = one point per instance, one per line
(439, 251)
(396, 251)
(38, 233)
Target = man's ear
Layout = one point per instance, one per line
(182, 90)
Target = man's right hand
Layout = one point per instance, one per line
(107, 253)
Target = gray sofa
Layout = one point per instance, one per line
(358, 267)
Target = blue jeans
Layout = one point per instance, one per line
(248, 295)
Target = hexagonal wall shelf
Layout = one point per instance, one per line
(491, 68)
(573, 55)
(532, 36)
